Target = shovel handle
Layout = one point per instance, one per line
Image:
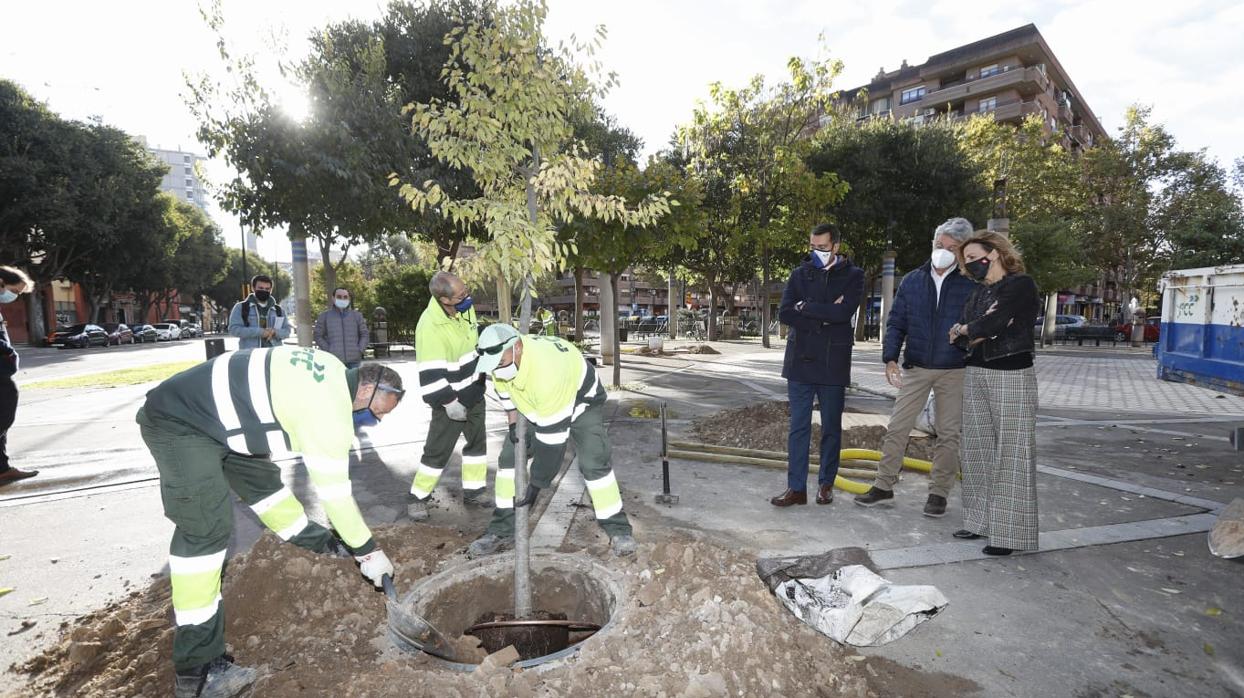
(386, 581)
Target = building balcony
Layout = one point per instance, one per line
(1028, 81)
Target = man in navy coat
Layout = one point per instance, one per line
(820, 298)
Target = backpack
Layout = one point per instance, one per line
(246, 312)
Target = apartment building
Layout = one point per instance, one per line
(1011, 75)
(182, 179)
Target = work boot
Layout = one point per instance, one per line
(935, 508)
(874, 496)
(417, 509)
(219, 678)
(623, 544)
(475, 498)
(13, 475)
(488, 544)
(788, 498)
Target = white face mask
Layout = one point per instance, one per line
(942, 259)
(506, 373)
(7, 296)
(342, 303)
(824, 257)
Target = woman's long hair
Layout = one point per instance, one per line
(1008, 256)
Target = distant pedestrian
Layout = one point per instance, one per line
(258, 321)
(13, 283)
(820, 298)
(999, 397)
(928, 303)
(342, 330)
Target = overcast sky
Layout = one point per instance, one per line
(124, 60)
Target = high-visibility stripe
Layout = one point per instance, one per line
(196, 616)
(258, 383)
(433, 387)
(264, 505)
(606, 497)
(196, 564)
(348, 521)
(335, 490)
(466, 359)
(237, 443)
(579, 409)
(221, 395)
(505, 488)
(425, 480)
(474, 472)
(276, 441)
(554, 439)
(432, 365)
(295, 528)
(326, 468)
(462, 384)
(553, 418)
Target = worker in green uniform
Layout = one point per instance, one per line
(556, 389)
(548, 322)
(212, 429)
(445, 358)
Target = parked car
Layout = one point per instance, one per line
(1153, 328)
(80, 336)
(145, 333)
(167, 331)
(195, 329)
(1061, 323)
(118, 333)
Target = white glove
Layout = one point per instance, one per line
(375, 565)
(456, 411)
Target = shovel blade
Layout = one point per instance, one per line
(411, 631)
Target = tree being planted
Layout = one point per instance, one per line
(510, 127)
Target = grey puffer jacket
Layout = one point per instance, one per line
(342, 333)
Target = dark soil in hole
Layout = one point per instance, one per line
(765, 426)
(530, 641)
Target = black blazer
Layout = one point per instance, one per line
(818, 349)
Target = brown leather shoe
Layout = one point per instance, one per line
(788, 498)
(825, 494)
(13, 475)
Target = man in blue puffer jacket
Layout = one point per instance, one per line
(818, 303)
(928, 303)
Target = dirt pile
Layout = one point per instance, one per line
(765, 426)
(696, 622)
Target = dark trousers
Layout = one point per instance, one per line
(8, 412)
(832, 399)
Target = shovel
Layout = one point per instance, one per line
(411, 631)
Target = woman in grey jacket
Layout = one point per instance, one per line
(342, 330)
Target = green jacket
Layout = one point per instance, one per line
(445, 357)
(554, 385)
(260, 401)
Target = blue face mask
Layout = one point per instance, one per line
(7, 296)
(464, 305)
(365, 418)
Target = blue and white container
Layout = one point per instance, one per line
(1202, 334)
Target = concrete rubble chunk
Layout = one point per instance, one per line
(1226, 539)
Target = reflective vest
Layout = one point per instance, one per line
(445, 357)
(554, 386)
(262, 401)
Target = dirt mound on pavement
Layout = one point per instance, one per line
(696, 622)
(765, 426)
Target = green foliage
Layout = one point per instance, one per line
(349, 276)
(403, 292)
(510, 127)
(1200, 217)
(904, 181)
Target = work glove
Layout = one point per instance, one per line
(456, 411)
(513, 432)
(529, 498)
(374, 566)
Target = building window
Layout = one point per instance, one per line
(881, 106)
(185, 158)
(189, 171)
(988, 104)
(914, 94)
(990, 70)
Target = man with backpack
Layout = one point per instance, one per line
(258, 321)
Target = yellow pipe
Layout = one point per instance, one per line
(923, 466)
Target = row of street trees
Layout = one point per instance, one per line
(81, 202)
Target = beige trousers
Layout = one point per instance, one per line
(947, 387)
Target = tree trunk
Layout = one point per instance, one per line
(330, 271)
(671, 308)
(578, 305)
(617, 343)
(504, 307)
(764, 301)
(861, 325)
(522, 552)
(710, 322)
(1047, 327)
(36, 319)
